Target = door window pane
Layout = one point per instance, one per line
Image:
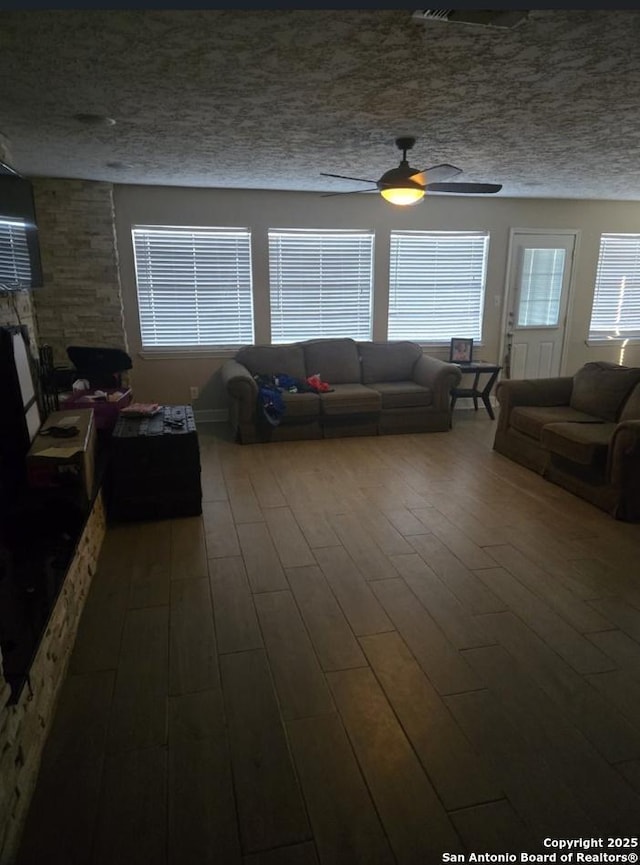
(540, 287)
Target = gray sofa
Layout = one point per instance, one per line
(581, 432)
(376, 388)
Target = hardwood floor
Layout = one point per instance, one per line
(367, 650)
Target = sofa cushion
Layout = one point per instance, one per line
(350, 399)
(335, 360)
(402, 394)
(300, 405)
(600, 388)
(631, 408)
(272, 359)
(582, 443)
(531, 419)
(388, 361)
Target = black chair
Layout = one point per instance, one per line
(102, 367)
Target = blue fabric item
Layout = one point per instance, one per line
(287, 382)
(271, 406)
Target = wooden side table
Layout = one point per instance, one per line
(477, 369)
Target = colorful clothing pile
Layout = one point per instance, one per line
(271, 405)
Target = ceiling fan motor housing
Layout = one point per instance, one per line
(400, 176)
(403, 174)
(405, 143)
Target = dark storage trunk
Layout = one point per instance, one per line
(155, 467)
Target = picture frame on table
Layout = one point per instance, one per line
(461, 350)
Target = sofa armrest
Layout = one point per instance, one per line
(439, 376)
(623, 469)
(624, 452)
(240, 385)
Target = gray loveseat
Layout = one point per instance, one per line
(581, 432)
(376, 388)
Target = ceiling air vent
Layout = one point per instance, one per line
(504, 18)
(433, 14)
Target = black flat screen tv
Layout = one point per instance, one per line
(20, 266)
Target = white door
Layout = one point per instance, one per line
(540, 269)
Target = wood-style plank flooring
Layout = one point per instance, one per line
(367, 650)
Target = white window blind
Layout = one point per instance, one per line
(320, 284)
(194, 286)
(540, 287)
(436, 285)
(616, 302)
(15, 264)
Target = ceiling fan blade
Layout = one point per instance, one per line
(465, 188)
(420, 178)
(436, 173)
(344, 177)
(349, 192)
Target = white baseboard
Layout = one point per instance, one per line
(211, 415)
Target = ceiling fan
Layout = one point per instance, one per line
(406, 185)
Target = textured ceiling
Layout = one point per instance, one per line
(268, 99)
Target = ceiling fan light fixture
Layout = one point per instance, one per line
(403, 195)
(399, 185)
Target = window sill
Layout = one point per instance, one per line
(187, 353)
(612, 340)
(192, 352)
(442, 346)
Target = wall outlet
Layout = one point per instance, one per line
(194, 392)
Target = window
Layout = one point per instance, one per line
(320, 284)
(436, 285)
(194, 286)
(15, 262)
(616, 301)
(540, 287)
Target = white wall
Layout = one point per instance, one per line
(168, 378)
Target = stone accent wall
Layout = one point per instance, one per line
(24, 725)
(81, 301)
(17, 308)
